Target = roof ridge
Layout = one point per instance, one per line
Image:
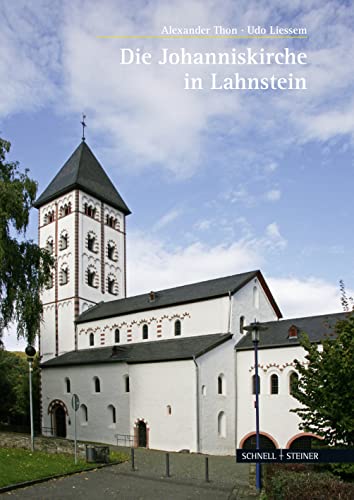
(81, 146)
(308, 317)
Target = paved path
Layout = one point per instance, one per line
(228, 480)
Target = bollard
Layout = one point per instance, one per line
(167, 465)
(207, 469)
(133, 458)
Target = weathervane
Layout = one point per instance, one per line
(83, 126)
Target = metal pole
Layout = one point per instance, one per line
(133, 458)
(31, 403)
(167, 465)
(207, 469)
(258, 465)
(75, 445)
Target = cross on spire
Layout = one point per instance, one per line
(83, 126)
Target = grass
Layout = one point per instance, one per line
(18, 465)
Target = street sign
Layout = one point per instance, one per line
(75, 402)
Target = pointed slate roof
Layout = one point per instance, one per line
(194, 292)
(83, 171)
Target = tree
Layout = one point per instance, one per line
(325, 387)
(14, 389)
(24, 267)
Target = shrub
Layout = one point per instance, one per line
(284, 485)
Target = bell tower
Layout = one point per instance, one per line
(81, 221)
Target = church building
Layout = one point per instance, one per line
(169, 369)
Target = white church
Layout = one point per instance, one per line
(170, 369)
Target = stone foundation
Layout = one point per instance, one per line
(46, 444)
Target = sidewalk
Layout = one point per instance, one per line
(228, 480)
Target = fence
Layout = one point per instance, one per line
(124, 440)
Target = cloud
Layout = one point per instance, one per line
(166, 219)
(273, 237)
(204, 225)
(143, 114)
(305, 297)
(153, 266)
(273, 195)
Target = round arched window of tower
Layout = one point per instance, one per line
(64, 275)
(49, 246)
(92, 277)
(92, 242)
(112, 253)
(64, 240)
(112, 285)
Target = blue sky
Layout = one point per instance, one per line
(219, 182)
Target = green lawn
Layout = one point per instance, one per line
(17, 465)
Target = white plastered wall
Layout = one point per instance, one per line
(99, 427)
(243, 305)
(197, 318)
(154, 386)
(276, 419)
(217, 362)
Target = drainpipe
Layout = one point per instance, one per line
(197, 403)
(235, 395)
(230, 311)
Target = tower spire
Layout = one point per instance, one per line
(83, 126)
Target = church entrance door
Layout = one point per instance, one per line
(60, 422)
(142, 434)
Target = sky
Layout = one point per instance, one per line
(218, 181)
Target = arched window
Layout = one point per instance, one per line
(169, 410)
(97, 384)
(222, 424)
(242, 324)
(91, 242)
(112, 414)
(177, 327)
(293, 382)
(84, 414)
(92, 277)
(64, 275)
(127, 383)
(111, 251)
(65, 209)
(64, 240)
(92, 339)
(111, 221)
(274, 384)
(204, 390)
(254, 384)
(111, 285)
(67, 385)
(49, 217)
(264, 443)
(50, 282)
(116, 336)
(50, 246)
(255, 297)
(145, 332)
(221, 384)
(90, 210)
